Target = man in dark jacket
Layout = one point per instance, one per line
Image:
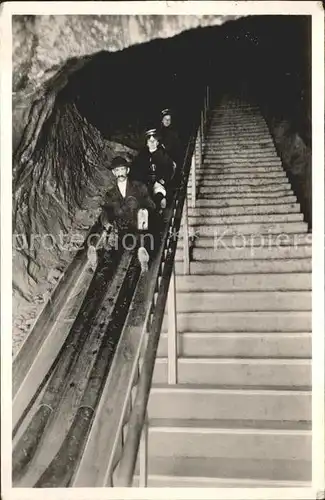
(169, 137)
(155, 168)
(129, 207)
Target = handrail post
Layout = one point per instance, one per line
(186, 248)
(172, 331)
(204, 112)
(143, 455)
(193, 187)
(198, 147)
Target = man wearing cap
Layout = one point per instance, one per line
(169, 136)
(129, 206)
(155, 168)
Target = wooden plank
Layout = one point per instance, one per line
(36, 358)
(50, 348)
(45, 322)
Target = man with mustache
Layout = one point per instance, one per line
(129, 207)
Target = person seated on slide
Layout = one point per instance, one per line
(129, 207)
(154, 167)
(169, 137)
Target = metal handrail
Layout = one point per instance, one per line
(102, 452)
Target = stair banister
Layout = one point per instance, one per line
(193, 182)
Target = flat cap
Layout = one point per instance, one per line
(118, 161)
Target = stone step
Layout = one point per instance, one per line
(245, 210)
(243, 321)
(251, 165)
(159, 479)
(245, 194)
(260, 345)
(209, 140)
(211, 144)
(250, 159)
(265, 141)
(241, 156)
(241, 116)
(236, 139)
(248, 229)
(218, 242)
(189, 472)
(284, 372)
(240, 170)
(242, 127)
(223, 175)
(210, 201)
(220, 439)
(239, 162)
(243, 181)
(238, 125)
(247, 266)
(198, 220)
(243, 301)
(214, 403)
(244, 282)
(215, 148)
(245, 188)
(238, 122)
(237, 148)
(219, 253)
(235, 136)
(220, 134)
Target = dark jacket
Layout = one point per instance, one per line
(170, 140)
(124, 211)
(152, 167)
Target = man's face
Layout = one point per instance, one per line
(121, 173)
(152, 143)
(166, 121)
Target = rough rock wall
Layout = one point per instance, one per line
(43, 44)
(47, 46)
(297, 161)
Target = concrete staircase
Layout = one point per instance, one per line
(240, 413)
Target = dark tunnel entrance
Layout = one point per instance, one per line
(114, 97)
(121, 93)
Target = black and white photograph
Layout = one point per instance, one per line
(163, 179)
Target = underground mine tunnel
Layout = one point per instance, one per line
(95, 106)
